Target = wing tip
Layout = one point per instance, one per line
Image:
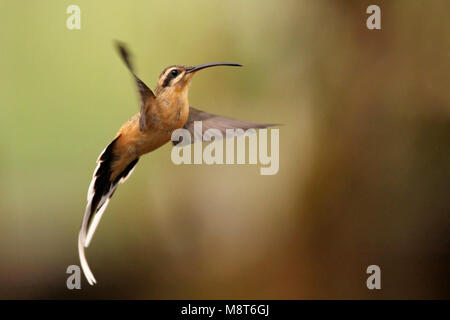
(124, 53)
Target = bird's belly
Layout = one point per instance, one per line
(160, 131)
(161, 124)
(152, 140)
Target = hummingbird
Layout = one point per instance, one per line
(161, 112)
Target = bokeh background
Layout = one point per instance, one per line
(364, 150)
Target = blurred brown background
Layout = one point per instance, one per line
(364, 150)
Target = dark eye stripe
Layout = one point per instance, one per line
(169, 77)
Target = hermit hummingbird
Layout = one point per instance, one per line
(161, 112)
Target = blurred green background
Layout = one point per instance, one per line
(364, 150)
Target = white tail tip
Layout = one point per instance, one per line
(84, 265)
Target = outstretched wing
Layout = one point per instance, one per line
(146, 95)
(101, 189)
(212, 121)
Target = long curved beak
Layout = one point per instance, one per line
(207, 65)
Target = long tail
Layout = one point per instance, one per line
(100, 192)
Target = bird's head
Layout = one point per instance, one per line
(176, 79)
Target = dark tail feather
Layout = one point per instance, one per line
(99, 194)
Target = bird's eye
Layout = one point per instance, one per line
(174, 72)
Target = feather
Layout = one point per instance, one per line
(100, 192)
(212, 121)
(146, 96)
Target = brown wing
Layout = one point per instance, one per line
(145, 94)
(212, 121)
